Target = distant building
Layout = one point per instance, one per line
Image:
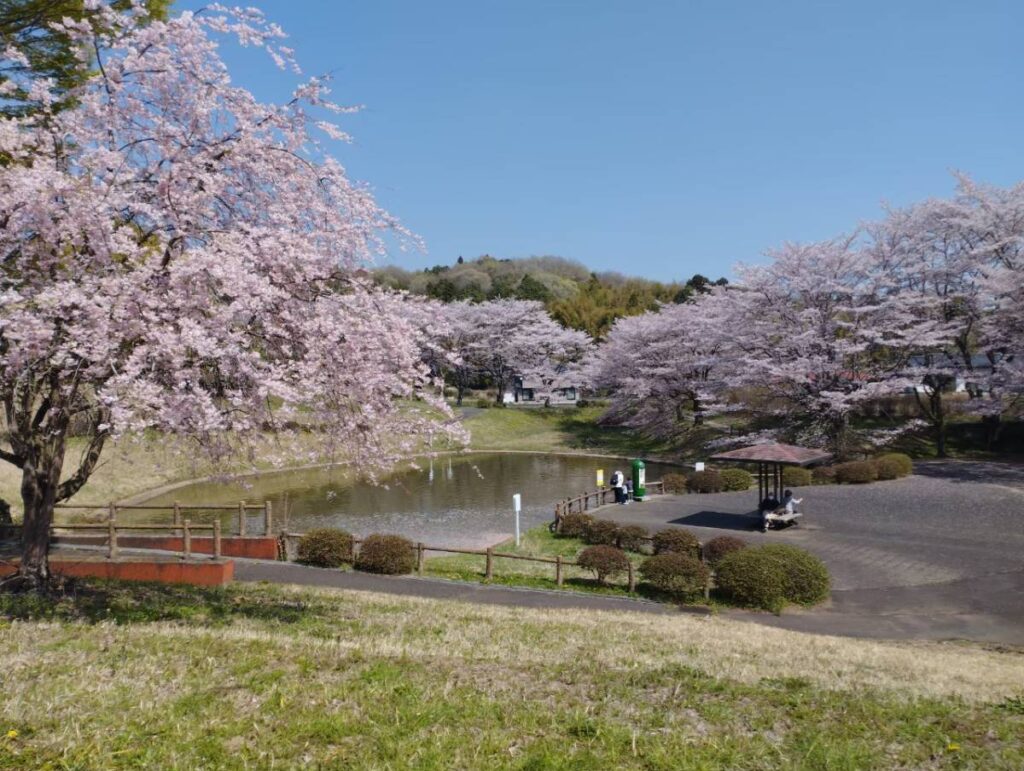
(953, 376)
(542, 391)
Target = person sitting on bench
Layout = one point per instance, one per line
(789, 503)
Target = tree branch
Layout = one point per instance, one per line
(90, 458)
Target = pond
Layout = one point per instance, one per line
(458, 500)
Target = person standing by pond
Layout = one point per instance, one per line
(618, 481)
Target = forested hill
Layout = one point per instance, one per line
(572, 294)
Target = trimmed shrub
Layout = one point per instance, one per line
(770, 576)
(807, 578)
(902, 463)
(674, 483)
(719, 546)
(887, 468)
(633, 537)
(5, 513)
(794, 476)
(325, 547)
(605, 561)
(601, 532)
(387, 554)
(734, 479)
(856, 472)
(484, 404)
(677, 574)
(575, 525)
(676, 540)
(709, 481)
(824, 475)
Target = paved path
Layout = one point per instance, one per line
(438, 589)
(938, 555)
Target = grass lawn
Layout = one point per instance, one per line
(278, 677)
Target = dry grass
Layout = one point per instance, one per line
(262, 676)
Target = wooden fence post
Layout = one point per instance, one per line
(419, 558)
(632, 578)
(177, 515)
(112, 549)
(585, 503)
(558, 570)
(268, 518)
(186, 540)
(216, 539)
(241, 519)
(489, 567)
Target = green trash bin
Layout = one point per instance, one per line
(639, 480)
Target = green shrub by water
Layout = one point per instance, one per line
(709, 481)
(605, 561)
(896, 462)
(574, 525)
(679, 575)
(386, 554)
(856, 472)
(674, 483)
(601, 532)
(633, 537)
(771, 576)
(325, 547)
(794, 476)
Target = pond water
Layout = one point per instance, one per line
(459, 500)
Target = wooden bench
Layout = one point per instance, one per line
(777, 517)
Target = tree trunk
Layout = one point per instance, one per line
(39, 485)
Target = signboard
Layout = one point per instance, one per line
(600, 477)
(698, 466)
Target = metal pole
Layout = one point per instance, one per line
(241, 519)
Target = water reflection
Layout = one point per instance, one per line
(452, 500)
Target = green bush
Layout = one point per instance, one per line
(677, 574)
(484, 404)
(807, 578)
(633, 537)
(886, 468)
(794, 476)
(719, 546)
(601, 532)
(903, 465)
(770, 576)
(709, 481)
(676, 540)
(674, 483)
(824, 475)
(574, 525)
(387, 554)
(734, 479)
(325, 547)
(856, 472)
(605, 561)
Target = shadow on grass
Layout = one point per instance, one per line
(94, 601)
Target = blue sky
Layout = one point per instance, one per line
(657, 138)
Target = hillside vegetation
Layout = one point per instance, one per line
(259, 676)
(572, 294)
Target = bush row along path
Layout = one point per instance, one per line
(938, 555)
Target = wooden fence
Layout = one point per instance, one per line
(581, 503)
(489, 555)
(241, 520)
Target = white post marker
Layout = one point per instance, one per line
(600, 477)
(517, 504)
(699, 466)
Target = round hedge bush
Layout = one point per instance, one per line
(709, 481)
(734, 479)
(601, 532)
(794, 476)
(887, 468)
(856, 472)
(902, 463)
(674, 483)
(676, 540)
(574, 525)
(387, 554)
(677, 574)
(325, 547)
(605, 561)
(719, 546)
(824, 475)
(770, 576)
(633, 537)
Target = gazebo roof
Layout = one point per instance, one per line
(782, 454)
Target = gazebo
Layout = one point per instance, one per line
(770, 458)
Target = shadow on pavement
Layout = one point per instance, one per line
(976, 471)
(721, 520)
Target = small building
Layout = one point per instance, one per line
(542, 391)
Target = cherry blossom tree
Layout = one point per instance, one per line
(666, 368)
(176, 255)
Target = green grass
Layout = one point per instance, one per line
(259, 677)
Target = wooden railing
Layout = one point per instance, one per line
(582, 502)
(241, 521)
(489, 554)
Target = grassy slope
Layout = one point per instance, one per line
(277, 677)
